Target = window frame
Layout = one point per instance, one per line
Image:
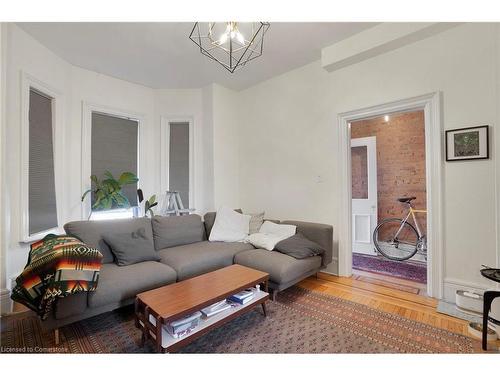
(86, 154)
(165, 122)
(28, 83)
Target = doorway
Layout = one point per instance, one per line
(387, 165)
(431, 107)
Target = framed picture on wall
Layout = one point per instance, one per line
(467, 143)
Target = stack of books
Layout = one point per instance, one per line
(242, 297)
(182, 327)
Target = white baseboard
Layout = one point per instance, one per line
(5, 302)
(451, 285)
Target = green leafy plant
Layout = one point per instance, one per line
(150, 203)
(108, 191)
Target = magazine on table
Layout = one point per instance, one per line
(215, 308)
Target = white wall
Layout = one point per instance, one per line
(226, 147)
(289, 136)
(3, 219)
(24, 55)
(79, 86)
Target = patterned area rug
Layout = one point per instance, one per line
(405, 270)
(301, 321)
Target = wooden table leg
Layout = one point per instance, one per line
(56, 336)
(136, 310)
(266, 289)
(159, 325)
(145, 328)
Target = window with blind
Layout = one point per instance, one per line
(178, 171)
(42, 208)
(115, 148)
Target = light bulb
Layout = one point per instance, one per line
(223, 38)
(386, 118)
(240, 38)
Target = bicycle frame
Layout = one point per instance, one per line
(411, 213)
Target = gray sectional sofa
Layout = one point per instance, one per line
(184, 251)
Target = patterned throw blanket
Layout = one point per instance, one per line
(57, 266)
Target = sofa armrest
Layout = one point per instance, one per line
(322, 234)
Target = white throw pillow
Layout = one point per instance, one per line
(270, 234)
(230, 226)
(263, 240)
(280, 230)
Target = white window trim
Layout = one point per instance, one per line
(165, 122)
(87, 110)
(29, 82)
(434, 143)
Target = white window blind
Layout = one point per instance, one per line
(42, 208)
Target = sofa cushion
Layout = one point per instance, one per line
(280, 267)
(131, 247)
(201, 257)
(169, 231)
(91, 232)
(120, 283)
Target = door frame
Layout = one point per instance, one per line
(372, 178)
(434, 142)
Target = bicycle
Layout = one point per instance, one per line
(397, 239)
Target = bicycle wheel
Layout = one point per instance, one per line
(396, 240)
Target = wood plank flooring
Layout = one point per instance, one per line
(391, 282)
(381, 295)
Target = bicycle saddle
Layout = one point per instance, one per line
(406, 199)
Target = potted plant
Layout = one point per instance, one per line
(108, 191)
(150, 203)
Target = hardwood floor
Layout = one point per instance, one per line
(391, 282)
(386, 297)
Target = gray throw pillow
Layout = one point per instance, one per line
(130, 248)
(256, 222)
(299, 247)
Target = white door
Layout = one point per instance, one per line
(364, 193)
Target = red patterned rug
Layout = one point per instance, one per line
(301, 321)
(407, 270)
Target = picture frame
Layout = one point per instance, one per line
(467, 143)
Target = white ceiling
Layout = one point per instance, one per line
(160, 55)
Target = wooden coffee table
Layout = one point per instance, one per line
(159, 306)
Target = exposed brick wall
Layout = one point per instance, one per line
(400, 161)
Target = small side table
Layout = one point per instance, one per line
(489, 296)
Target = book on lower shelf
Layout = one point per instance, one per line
(183, 326)
(243, 297)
